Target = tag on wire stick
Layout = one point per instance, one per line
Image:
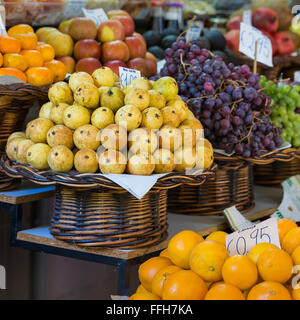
(193, 33)
(248, 37)
(97, 15)
(241, 242)
(297, 76)
(127, 75)
(247, 17)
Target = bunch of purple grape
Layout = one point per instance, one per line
(227, 99)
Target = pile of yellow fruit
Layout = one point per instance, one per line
(192, 268)
(92, 124)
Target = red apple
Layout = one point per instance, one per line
(114, 50)
(285, 43)
(150, 56)
(69, 62)
(138, 64)
(127, 23)
(111, 30)
(151, 68)
(140, 36)
(88, 65)
(87, 48)
(234, 23)
(265, 19)
(115, 64)
(233, 40)
(137, 48)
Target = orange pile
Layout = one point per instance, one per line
(22, 56)
(194, 268)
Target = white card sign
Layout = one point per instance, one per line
(193, 33)
(247, 17)
(127, 75)
(297, 76)
(97, 15)
(2, 26)
(248, 36)
(241, 242)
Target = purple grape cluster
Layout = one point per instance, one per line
(227, 99)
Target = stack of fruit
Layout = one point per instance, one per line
(192, 268)
(83, 47)
(88, 121)
(227, 99)
(285, 109)
(272, 24)
(22, 56)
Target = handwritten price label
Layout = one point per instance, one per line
(247, 17)
(97, 15)
(241, 242)
(127, 75)
(297, 76)
(248, 36)
(193, 33)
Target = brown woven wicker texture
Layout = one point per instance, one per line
(231, 186)
(15, 101)
(109, 218)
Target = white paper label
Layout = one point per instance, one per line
(247, 17)
(127, 75)
(297, 76)
(290, 205)
(248, 36)
(97, 15)
(2, 27)
(193, 33)
(241, 242)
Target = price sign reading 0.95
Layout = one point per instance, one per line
(248, 37)
(241, 242)
(127, 75)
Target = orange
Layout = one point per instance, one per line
(240, 271)
(19, 29)
(15, 60)
(164, 253)
(284, 226)
(296, 256)
(33, 58)
(269, 290)
(291, 240)
(296, 294)
(275, 265)
(160, 278)
(58, 68)
(207, 260)
(144, 296)
(257, 250)
(224, 291)
(13, 72)
(184, 285)
(141, 289)
(149, 269)
(39, 76)
(219, 236)
(181, 246)
(28, 40)
(46, 50)
(9, 45)
(1, 59)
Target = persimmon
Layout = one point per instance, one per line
(184, 285)
(257, 250)
(240, 271)
(39, 76)
(284, 226)
(149, 269)
(181, 246)
(224, 291)
(275, 265)
(15, 60)
(58, 68)
(46, 50)
(9, 45)
(291, 240)
(1, 59)
(269, 290)
(207, 259)
(33, 58)
(13, 72)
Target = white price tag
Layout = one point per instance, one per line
(127, 75)
(193, 33)
(247, 17)
(2, 27)
(97, 15)
(248, 36)
(241, 242)
(297, 76)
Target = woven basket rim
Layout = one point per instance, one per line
(285, 155)
(84, 180)
(17, 90)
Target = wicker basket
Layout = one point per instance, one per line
(231, 186)
(91, 210)
(15, 101)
